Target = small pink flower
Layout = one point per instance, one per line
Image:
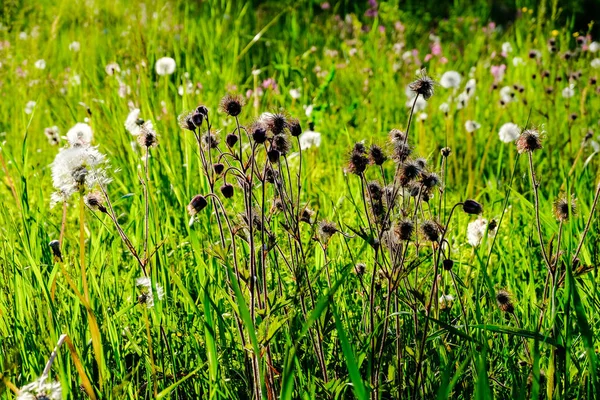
(443, 60)
(428, 57)
(436, 49)
(399, 26)
(381, 29)
(325, 6)
(498, 72)
(249, 93)
(415, 53)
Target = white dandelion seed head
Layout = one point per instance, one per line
(476, 231)
(74, 46)
(569, 91)
(310, 139)
(80, 135)
(423, 116)
(165, 66)
(41, 389)
(594, 47)
(507, 47)
(509, 132)
(518, 61)
(470, 87)
(112, 68)
(595, 63)
(134, 124)
(472, 126)
(295, 93)
(461, 100)
(30, 106)
(52, 133)
(40, 64)
(419, 106)
(450, 79)
(444, 107)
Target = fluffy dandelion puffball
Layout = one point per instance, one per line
(165, 66)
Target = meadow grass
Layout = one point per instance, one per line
(320, 320)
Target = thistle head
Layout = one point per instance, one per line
(423, 85)
(232, 105)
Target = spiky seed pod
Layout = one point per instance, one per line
(273, 155)
(276, 123)
(232, 105)
(422, 162)
(401, 152)
(410, 171)
(472, 207)
(278, 205)
(55, 246)
(227, 190)
(306, 215)
(219, 168)
(95, 201)
(375, 190)
(282, 143)
(359, 147)
(564, 209)
(326, 230)
(423, 85)
(430, 230)
(258, 133)
(377, 155)
(358, 160)
(430, 180)
(294, 127)
(492, 225)
(447, 264)
(197, 204)
(186, 121)
(197, 119)
(503, 299)
(359, 269)
(397, 136)
(231, 139)
(404, 229)
(446, 152)
(210, 140)
(529, 141)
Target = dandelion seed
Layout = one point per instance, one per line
(472, 126)
(147, 297)
(450, 79)
(52, 134)
(80, 135)
(445, 108)
(41, 389)
(40, 64)
(509, 132)
(165, 66)
(310, 139)
(461, 100)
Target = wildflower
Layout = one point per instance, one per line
(112, 68)
(74, 46)
(430, 230)
(295, 93)
(503, 299)
(196, 205)
(41, 389)
(404, 229)
(188, 120)
(53, 135)
(40, 64)
(95, 201)
(29, 107)
(423, 117)
(80, 135)
(165, 66)
(326, 230)
(472, 126)
(227, 190)
(529, 141)
(310, 139)
(595, 63)
(564, 208)
(450, 79)
(517, 61)
(509, 132)
(569, 91)
(476, 231)
(446, 301)
(445, 108)
(498, 72)
(423, 86)
(232, 105)
(594, 47)
(147, 296)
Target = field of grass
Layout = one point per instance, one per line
(177, 246)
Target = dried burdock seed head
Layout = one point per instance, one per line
(282, 143)
(219, 168)
(375, 190)
(446, 152)
(95, 201)
(430, 230)
(397, 136)
(258, 132)
(278, 205)
(492, 225)
(231, 139)
(359, 147)
(210, 140)
(358, 159)
(271, 175)
(294, 127)
(377, 155)
(276, 123)
(197, 119)
(227, 190)
(186, 121)
(447, 264)
(404, 229)
(202, 110)
(401, 152)
(273, 155)
(422, 162)
(423, 85)
(359, 269)
(430, 180)
(529, 141)
(564, 208)
(55, 246)
(326, 230)
(505, 304)
(197, 204)
(232, 105)
(410, 171)
(472, 207)
(306, 215)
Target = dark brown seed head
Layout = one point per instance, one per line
(504, 302)
(210, 140)
(55, 246)
(563, 208)
(375, 190)
(448, 264)
(430, 180)
(410, 171)
(529, 141)
(377, 155)
(401, 152)
(326, 230)
(396, 135)
(306, 215)
(446, 152)
(472, 207)
(430, 230)
(282, 143)
(358, 159)
(404, 229)
(276, 123)
(294, 127)
(219, 168)
(273, 155)
(359, 269)
(423, 86)
(197, 204)
(186, 121)
(202, 110)
(227, 190)
(232, 105)
(231, 139)
(258, 132)
(95, 201)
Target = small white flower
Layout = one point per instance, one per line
(423, 116)
(472, 126)
(594, 47)
(135, 125)
(74, 46)
(165, 66)
(506, 94)
(309, 139)
(295, 93)
(518, 61)
(450, 79)
(470, 87)
(256, 72)
(507, 47)
(569, 91)
(444, 107)
(29, 107)
(461, 100)
(80, 135)
(52, 134)
(509, 132)
(112, 68)
(308, 110)
(147, 296)
(40, 64)
(40, 389)
(595, 63)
